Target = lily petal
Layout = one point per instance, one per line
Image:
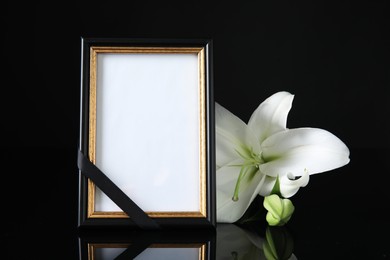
(303, 149)
(266, 188)
(230, 135)
(271, 115)
(289, 186)
(229, 211)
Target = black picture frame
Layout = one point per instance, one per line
(110, 65)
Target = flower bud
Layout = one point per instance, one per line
(279, 210)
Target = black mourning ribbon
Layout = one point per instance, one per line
(136, 214)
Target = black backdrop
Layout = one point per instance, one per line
(335, 58)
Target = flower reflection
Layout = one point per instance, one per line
(234, 242)
(278, 244)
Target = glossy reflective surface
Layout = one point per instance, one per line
(228, 242)
(234, 242)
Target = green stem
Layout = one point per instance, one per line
(242, 174)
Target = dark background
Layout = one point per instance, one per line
(335, 58)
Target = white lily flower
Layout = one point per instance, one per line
(251, 157)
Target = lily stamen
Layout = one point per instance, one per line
(242, 174)
(251, 160)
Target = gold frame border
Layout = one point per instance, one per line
(93, 246)
(200, 51)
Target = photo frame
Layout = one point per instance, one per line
(146, 156)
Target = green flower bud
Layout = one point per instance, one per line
(279, 210)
